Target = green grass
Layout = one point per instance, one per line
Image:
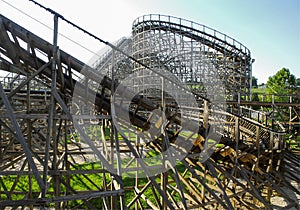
(78, 182)
(294, 143)
(260, 90)
(83, 183)
(94, 181)
(21, 186)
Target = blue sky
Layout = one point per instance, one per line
(269, 28)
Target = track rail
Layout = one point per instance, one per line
(213, 38)
(192, 52)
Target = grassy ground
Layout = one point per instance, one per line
(80, 183)
(294, 144)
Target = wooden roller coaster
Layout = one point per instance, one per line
(60, 146)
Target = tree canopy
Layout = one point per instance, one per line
(298, 82)
(283, 82)
(254, 82)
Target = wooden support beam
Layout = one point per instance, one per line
(7, 43)
(21, 138)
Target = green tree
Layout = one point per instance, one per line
(298, 87)
(298, 82)
(254, 82)
(283, 82)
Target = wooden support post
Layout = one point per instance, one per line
(237, 130)
(29, 140)
(205, 114)
(1, 159)
(56, 182)
(256, 165)
(237, 138)
(270, 166)
(164, 182)
(21, 138)
(137, 172)
(66, 160)
(284, 146)
(55, 160)
(51, 123)
(112, 153)
(290, 112)
(271, 141)
(1, 145)
(202, 187)
(273, 110)
(164, 175)
(105, 200)
(257, 144)
(237, 125)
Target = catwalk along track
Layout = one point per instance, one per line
(60, 145)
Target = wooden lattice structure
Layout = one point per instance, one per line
(48, 133)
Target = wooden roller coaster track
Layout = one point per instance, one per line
(39, 140)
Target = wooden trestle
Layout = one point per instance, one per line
(42, 159)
